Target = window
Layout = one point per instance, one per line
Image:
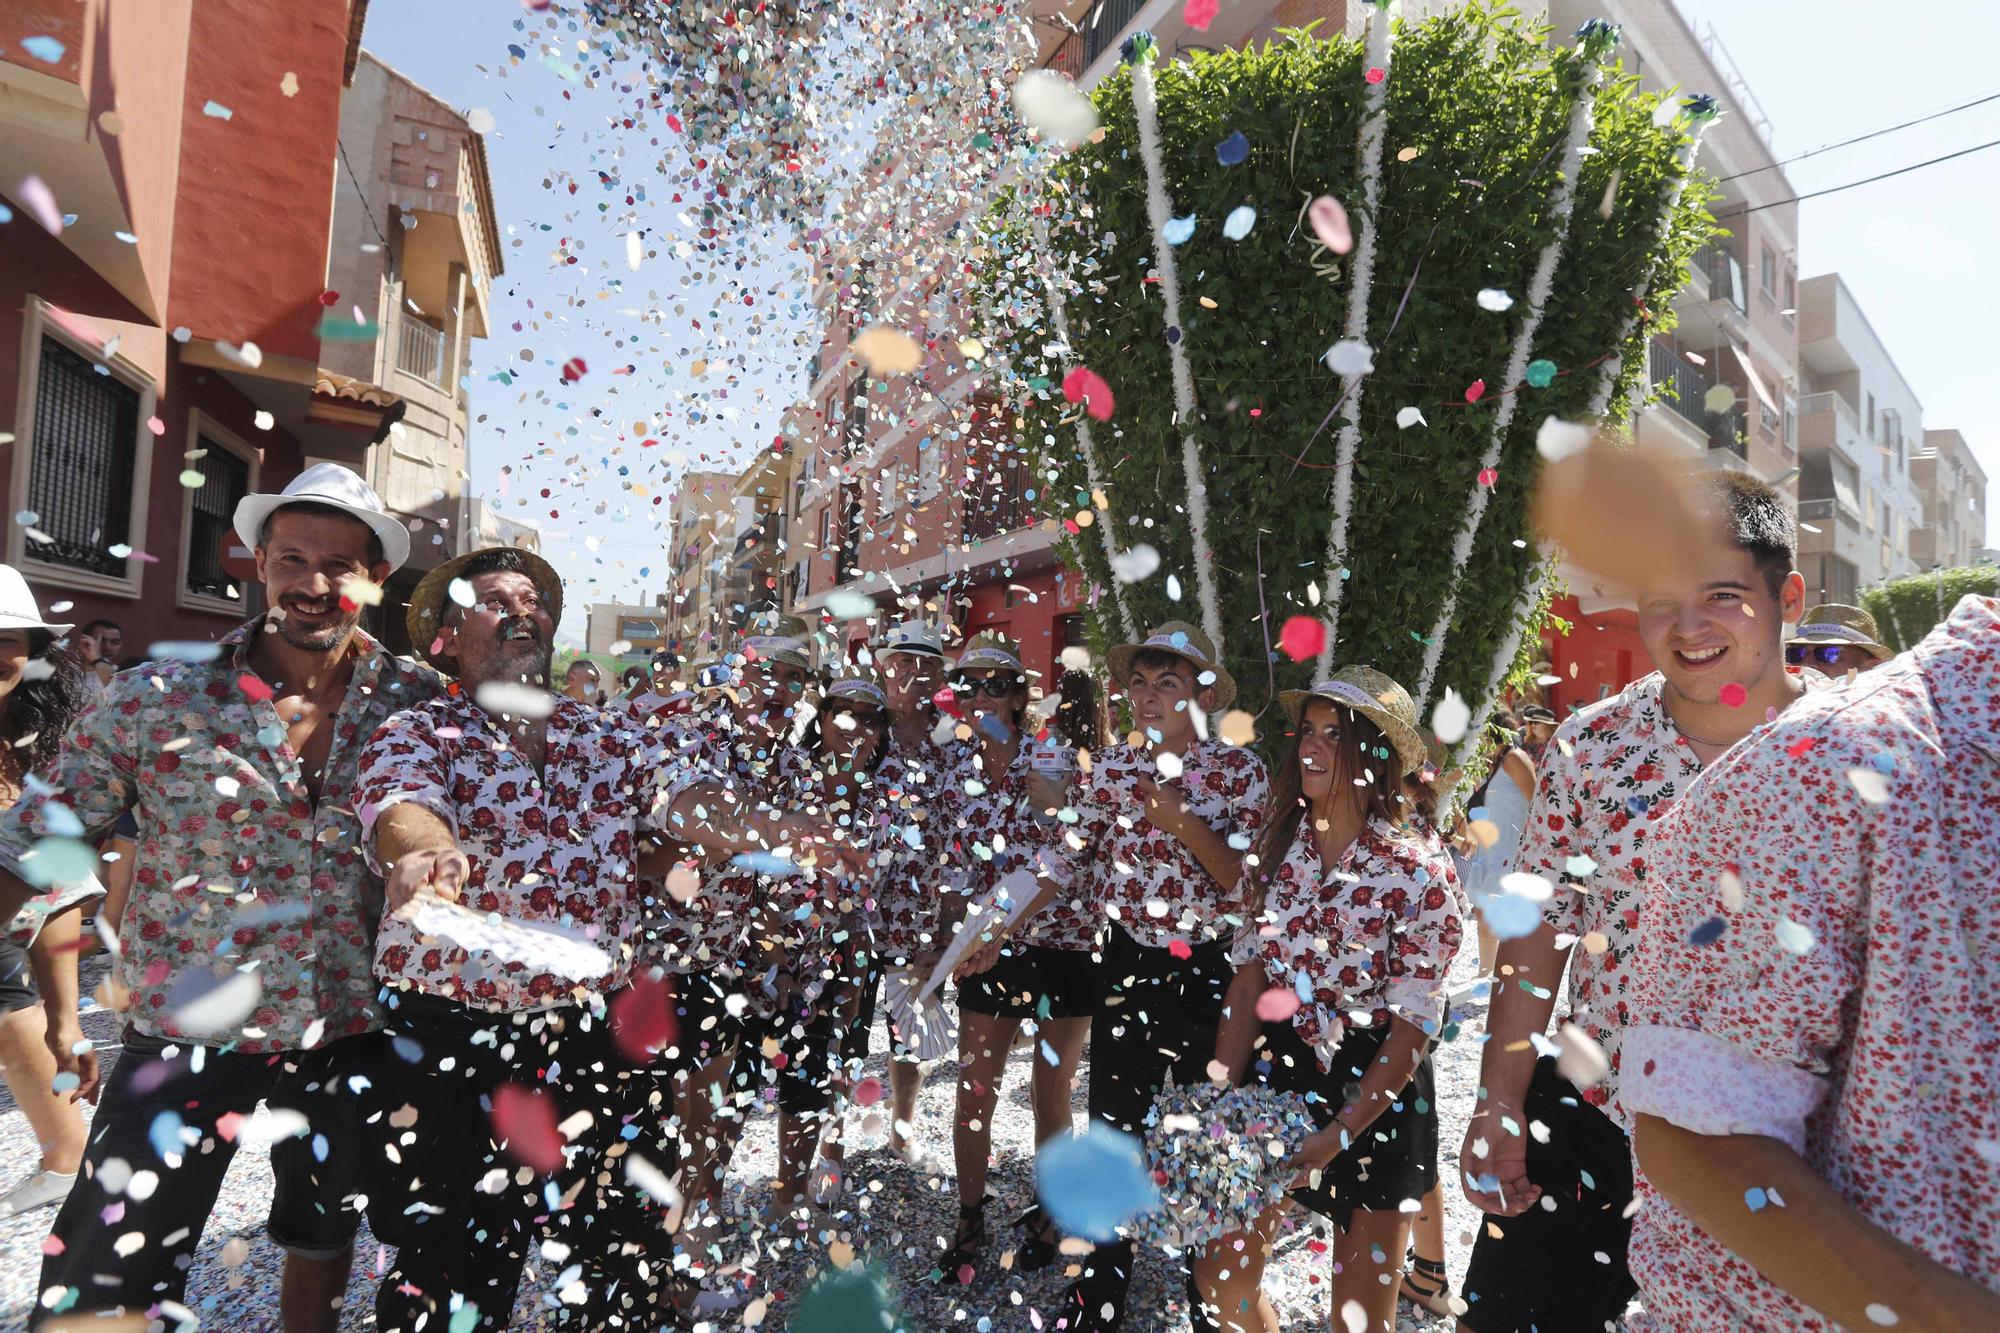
(83, 461)
(1767, 273)
(1871, 414)
(208, 516)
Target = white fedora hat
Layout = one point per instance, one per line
(17, 604)
(335, 486)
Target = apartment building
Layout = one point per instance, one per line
(1861, 428)
(1951, 486)
(639, 629)
(414, 251)
(171, 170)
(704, 510)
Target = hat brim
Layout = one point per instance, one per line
(252, 510)
(913, 649)
(1880, 652)
(1119, 660)
(22, 622)
(424, 617)
(1405, 739)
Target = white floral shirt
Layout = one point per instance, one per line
(238, 869)
(991, 829)
(914, 812)
(555, 847)
(1603, 784)
(1370, 940)
(1145, 879)
(1820, 963)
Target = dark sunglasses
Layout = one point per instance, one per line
(1797, 654)
(993, 687)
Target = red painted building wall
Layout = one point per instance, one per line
(1600, 656)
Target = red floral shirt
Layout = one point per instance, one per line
(237, 869)
(1603, 784)
(902, 915)
(1821, 964)
(1370, 940)
(991, 829)
(1145, 879)
(555, 847)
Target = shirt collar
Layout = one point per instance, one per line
(364, 647)
(1960, 661)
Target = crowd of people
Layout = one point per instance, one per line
(512, 968)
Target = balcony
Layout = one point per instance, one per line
(1827, 421)
(1683, 392)
(420, 351)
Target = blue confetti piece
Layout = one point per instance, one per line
(1178, 230)
(319, 1147)
(1755, 1199)
(1094, 1183)
(763, 863)
(1239, 222)
(217, 111)
(1708, 932)
(44, 48)
(1232, 150)
(1510, 917)
(1883, 762)
(1302, 987)
(1635, 805)
(165, 1135)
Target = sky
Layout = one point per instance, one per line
(708, 377)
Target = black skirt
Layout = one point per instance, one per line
(1396, 1157)
(1033, 981)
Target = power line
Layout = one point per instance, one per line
(1859, 138)
(1869, 180)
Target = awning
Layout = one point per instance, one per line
(1756, 381)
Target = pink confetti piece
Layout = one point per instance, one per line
(1329, 223)
(1733, 694)
(1198, 14)
(1302, 637)
(1086, 386)
(1475, 391)
(1487, 476)
(34, 195)
(1277, 1005)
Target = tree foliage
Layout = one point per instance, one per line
(1907, 609)
(1478, 106)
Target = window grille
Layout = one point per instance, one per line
(85, 447)
(211, 517)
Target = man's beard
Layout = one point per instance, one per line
(317, 638)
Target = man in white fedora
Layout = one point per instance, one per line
(248, 940)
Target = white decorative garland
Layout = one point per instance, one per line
(1374, 129)
(1059, 318)
(1158, 213)
(1503, 662)
(1563, 205)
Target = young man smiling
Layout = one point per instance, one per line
(1548, 1162)
(1162, 823)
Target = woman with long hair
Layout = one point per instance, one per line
(41, 691)
(1355, 917)
(1039, 966)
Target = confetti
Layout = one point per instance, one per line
(1095, 1182)
(1239, 222)
(1086, 386)
(1492, 298)
(1302, 638)
(1330, 225)
(887, 351)
(1233, 150)
(1053, 108)
(524, 1119)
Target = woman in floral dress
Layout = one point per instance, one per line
(1338, 994)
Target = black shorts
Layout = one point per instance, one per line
(1542, 1270)
(1396, 1158)
(1033, 981)
(705, 1027)
(17, 982)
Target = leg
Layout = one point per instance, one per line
(143, 1086)
(1227, 1278)
(30, 1069)
(697, 1096)
(1360, 1277)
(906, 1082)
(1054, 1088)
(312, 1292)
(983, 1043)
(1426, 1282)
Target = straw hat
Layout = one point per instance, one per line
(1843, 626)
(993, 652)
(18, 609)
(424, 617)
(857, 690)
(1186, 642)
(771, 637)
(910, 636)
(335, 486)
(1377, 698)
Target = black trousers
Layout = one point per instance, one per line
(463, 1207)
(158, 1117)
(1159, 1019)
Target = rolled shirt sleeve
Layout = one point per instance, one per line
(1752, 947)
(1424, 936)
(404, 763)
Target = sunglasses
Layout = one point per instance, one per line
(993, 687)
(1828, 654)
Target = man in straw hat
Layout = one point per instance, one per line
(1163, 821)
(508, 821)
(1713, 625)
(1837, 641)
(251, 924)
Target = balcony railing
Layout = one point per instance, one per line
(1067, 58)
(1105, 24)
(1815, 403)
(1680, 384)
(420, 351)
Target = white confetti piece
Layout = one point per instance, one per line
(1558, 439)
(1138, 563)
(1870, 785)
(1451, 717)
(1350, 356)
(1521, 884)
(1410, 416)
(1879, 1313)
(1492, 298)
(202, 1005)
(1054, 108)
(514, 699)
(1582, 1061)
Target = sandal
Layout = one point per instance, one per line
(1426, 1285)
(1038, 1251)
(965, 1247)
